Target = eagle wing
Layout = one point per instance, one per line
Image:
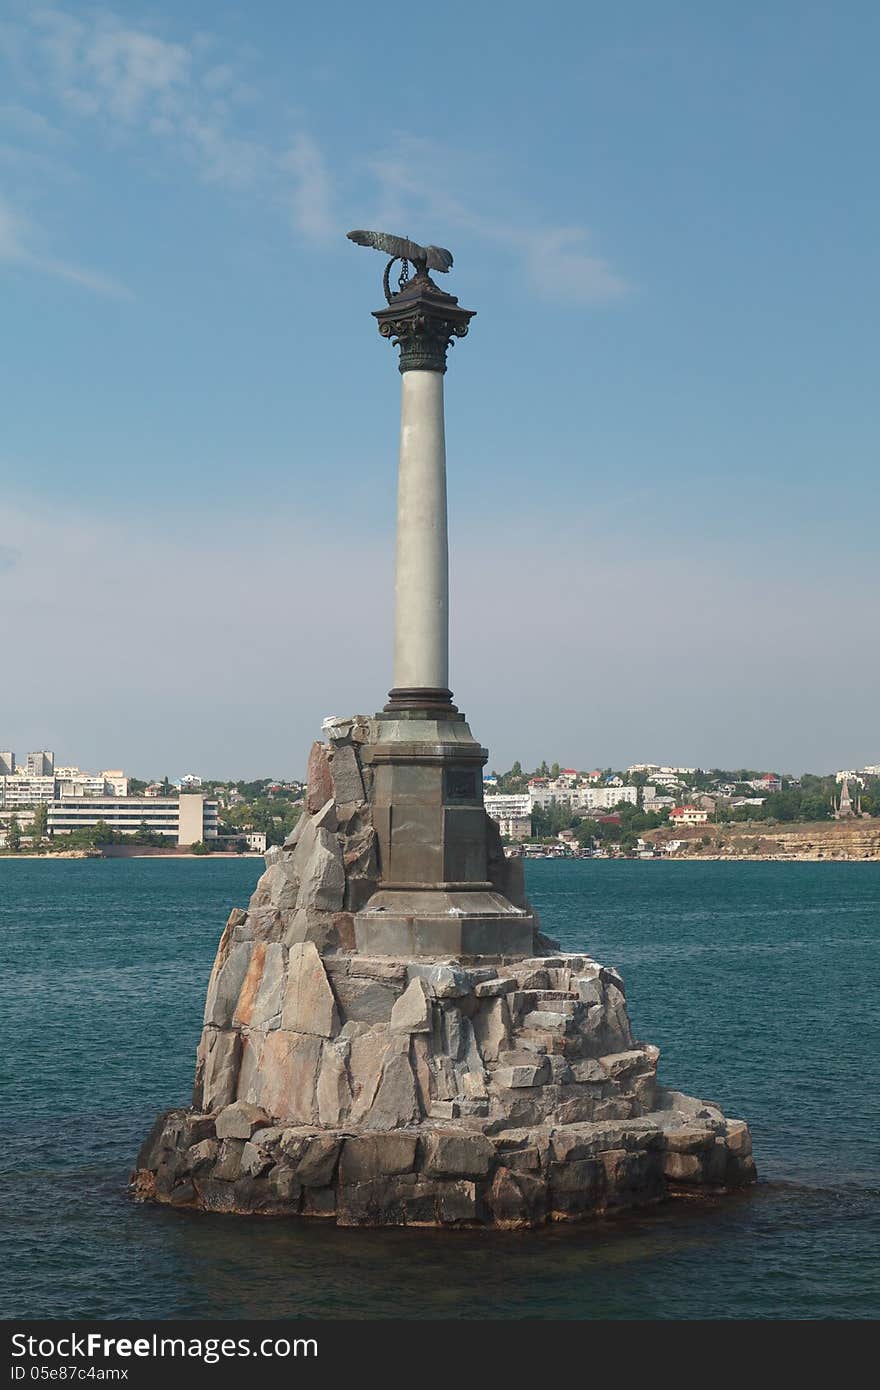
(435, 256)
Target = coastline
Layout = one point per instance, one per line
(75, 854)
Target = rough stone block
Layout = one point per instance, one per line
(222, 1061)
(254, 1160)
(311, 1157)
(225, 985)
(514, 1077)
(517, 1200)
(238, 1121)
(369, 1156)
(395, 1103)
(228, 1165)
(320, 782)
(544, 1019)
(366, 1056)
(345, 773)
(322, 877)
(285, 1185)
(288, 1075)
(492, 1027)
(456, 1203)
(452, 1153)
(412, 1011)
(683, 1167)
(309, 1005)
(259, 1003)
(502, 984)
(333, 1088)
(364, 1000)
(589, 989)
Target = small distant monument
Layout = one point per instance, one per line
(388, 1036)
(843, 806)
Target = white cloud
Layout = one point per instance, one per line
(135, 83)
(417, 183)
(311, 196)
(21, 244)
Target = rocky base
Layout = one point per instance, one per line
(441, 1174)
(405, 1087)
(400, 1092)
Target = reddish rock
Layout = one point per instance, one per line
(320, 782)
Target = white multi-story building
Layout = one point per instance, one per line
(7, 764)
(500, 804)
(183, 819)
(603, 798)
(25, 791)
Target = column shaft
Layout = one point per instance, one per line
(421, 623)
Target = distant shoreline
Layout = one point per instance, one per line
(73, 854)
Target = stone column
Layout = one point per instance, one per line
(422, 320)
(421, 588)
(438, 895)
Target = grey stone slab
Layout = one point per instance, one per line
(345, 771)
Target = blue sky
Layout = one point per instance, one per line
(662, 429)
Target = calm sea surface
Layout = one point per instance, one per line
(760, 983)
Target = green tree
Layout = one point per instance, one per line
(101, 833)
(555, 770)
(41, 823)
(13, 835)
(199, 847)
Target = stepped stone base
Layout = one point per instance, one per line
(495, 1083)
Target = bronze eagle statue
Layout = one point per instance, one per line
(401, 248)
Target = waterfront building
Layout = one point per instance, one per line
(182, 819)
(688, 815)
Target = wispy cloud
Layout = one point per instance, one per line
(191, 98)
(311, 196)
(419, 180)
(134, 83)
(20, 242)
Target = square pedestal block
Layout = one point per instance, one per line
(441, 923)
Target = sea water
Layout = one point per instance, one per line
(759, 982)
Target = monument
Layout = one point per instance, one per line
(389, 1038)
